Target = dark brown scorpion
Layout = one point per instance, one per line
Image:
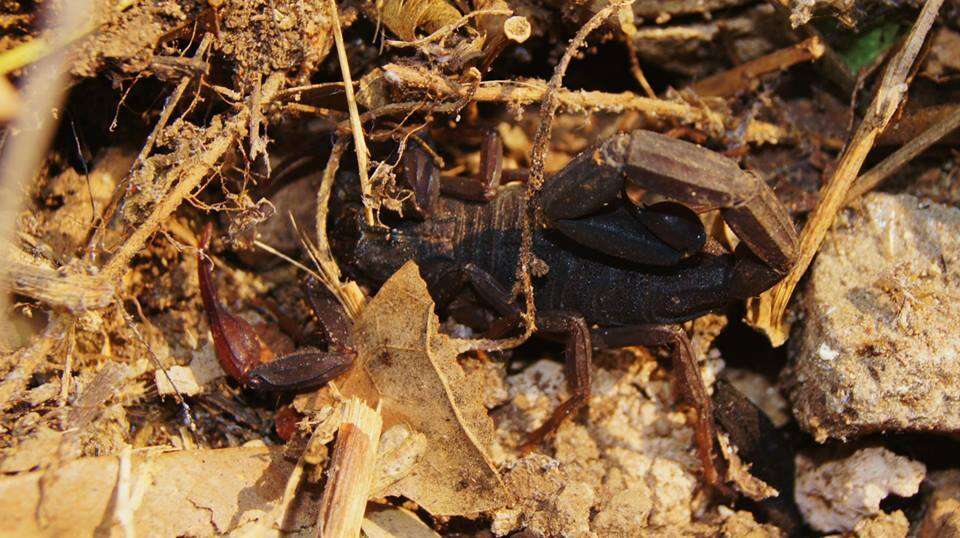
(615, 273)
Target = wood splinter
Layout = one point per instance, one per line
(350, 474)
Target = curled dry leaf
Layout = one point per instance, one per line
(413, 369)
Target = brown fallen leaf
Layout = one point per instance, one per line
(404, 361)
(193, 492)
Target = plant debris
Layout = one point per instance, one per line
(312, 139)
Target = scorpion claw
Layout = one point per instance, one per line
(681, 173)
(617, 233)
(301, 369)
(247, 359)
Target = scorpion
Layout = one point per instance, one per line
(622, 259)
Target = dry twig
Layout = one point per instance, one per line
(869, 180)
(189, 174)
(350, 473)
(743, 76)
(431, 86)
(767, 311)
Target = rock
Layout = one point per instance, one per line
(941, 518)
(879, 349)
(837, 495)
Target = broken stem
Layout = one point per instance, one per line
(902, 156)
(350, 474)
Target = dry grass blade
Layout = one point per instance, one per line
(869, 180)
(363, 155)
(767, 311)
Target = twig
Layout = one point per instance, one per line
(360, 145)
(168, 108)
(350, 474)
(189, 173)
(433, 87)
(541, 145)
(43, 91)
(741, 77)
(767, 311)
(636, 69)
(902, 156)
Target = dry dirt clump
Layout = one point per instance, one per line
(840, 495)
(879, 349)
(629, 468)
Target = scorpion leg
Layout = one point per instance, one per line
(446, 279)
(578, 354)
(484, 188)
(687, 373)
(423, 176)
(247, 359)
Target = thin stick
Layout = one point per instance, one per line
(350, 474)
(741, 77)
(434, 88)
(766, 312)
(902, 156)
(189, 174)
(541, 145)
(165, 114)
(637, 70)
(358, 141)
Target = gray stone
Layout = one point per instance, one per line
(879, 347)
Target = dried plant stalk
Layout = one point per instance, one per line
(350, 474)
(433, 87)
(741, 77)
(767, 311)
(363, 155)
(905, 154)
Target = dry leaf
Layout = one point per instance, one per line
(392, 522)
(196, 493)
(413, 369)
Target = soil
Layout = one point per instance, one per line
(233, 116)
